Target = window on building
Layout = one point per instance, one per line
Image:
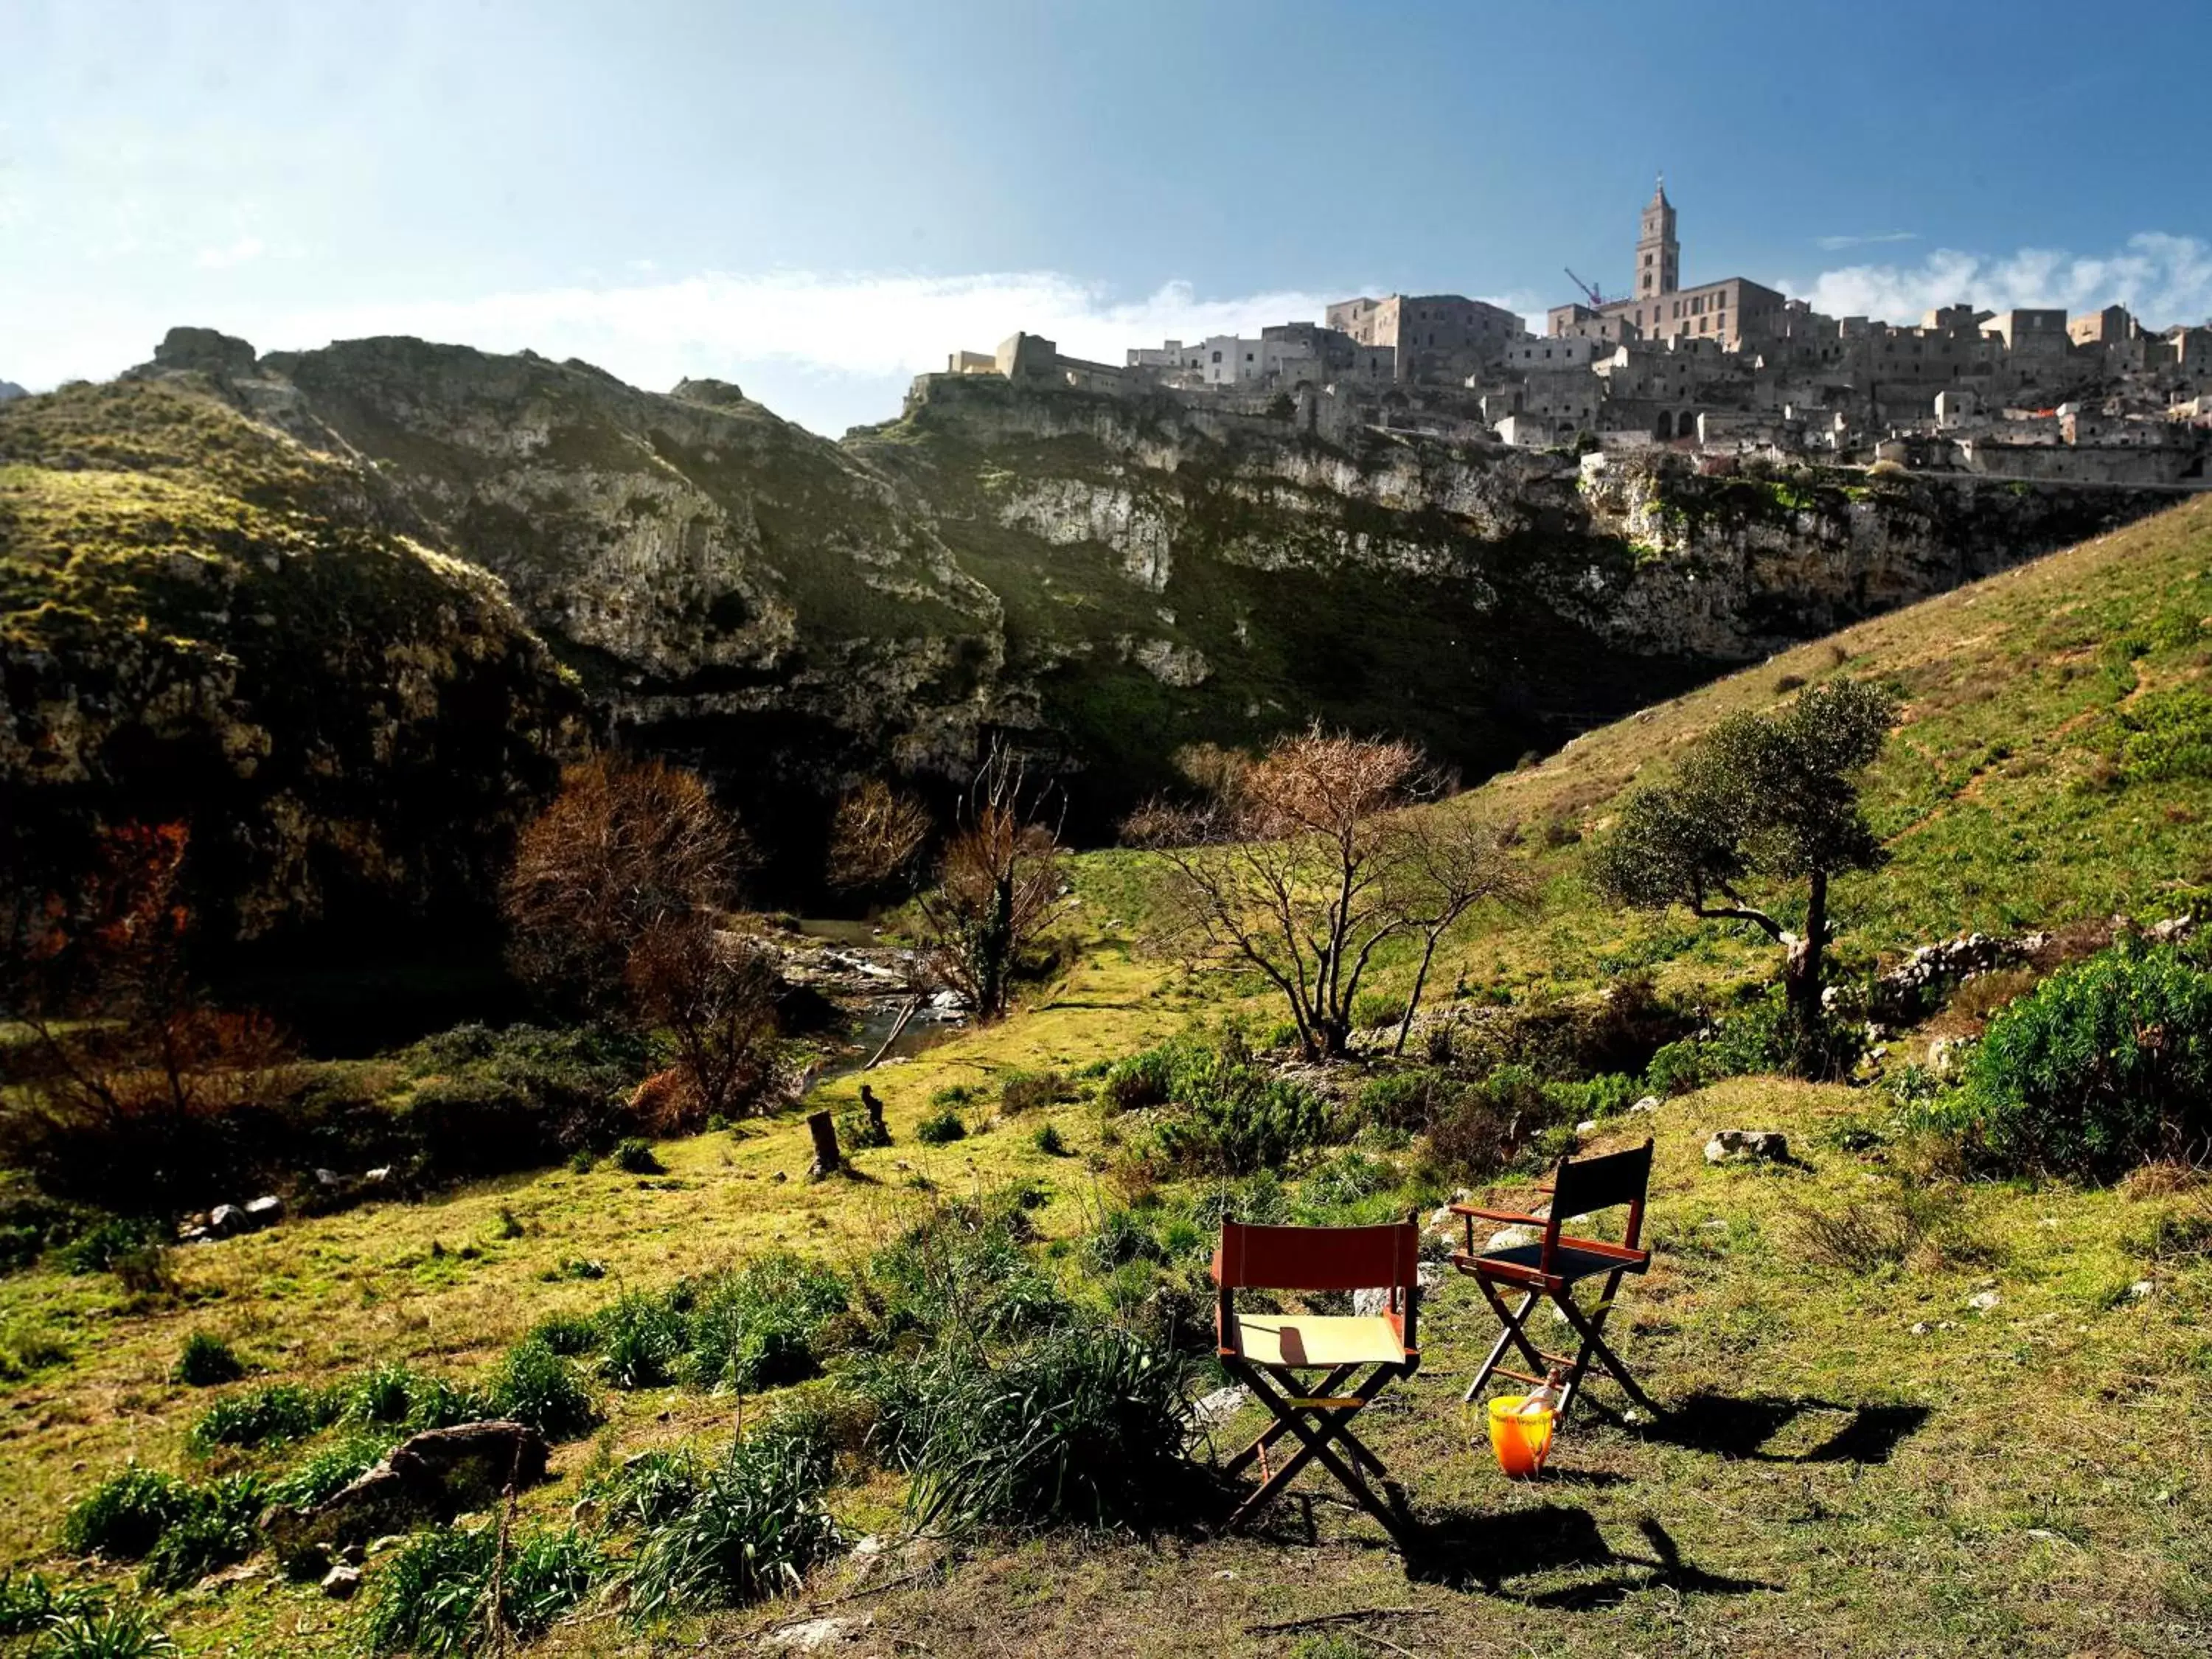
(1217, 356)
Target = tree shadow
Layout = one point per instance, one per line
(1733, 1427)
(1466, 1550)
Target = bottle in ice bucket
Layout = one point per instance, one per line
(1521, 1426)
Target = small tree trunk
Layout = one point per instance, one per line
(1413, 999)
(827, 1159)
(1801, 972)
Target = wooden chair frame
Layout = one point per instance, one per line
(1266, 1353)
(1578, 1188)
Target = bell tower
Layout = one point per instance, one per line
(1658, 255)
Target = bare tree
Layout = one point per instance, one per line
(1447, 861)
(875, 837)
(1303, 862)
(999, 885)
(625, 846)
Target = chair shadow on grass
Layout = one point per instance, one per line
(1471, 1550)
(1740, 1428)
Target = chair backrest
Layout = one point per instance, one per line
(1318, 1258)
(1584, 1186)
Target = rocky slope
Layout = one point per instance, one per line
(203, 620)
(1112, 580)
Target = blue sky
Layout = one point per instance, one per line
(819, 199)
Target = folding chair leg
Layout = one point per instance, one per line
(1331, 1424)
(1275, 1430)
(1506, 1338)
(1594, 1345)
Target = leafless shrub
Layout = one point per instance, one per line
(1303, 863)
(999, 886)
(875, 837)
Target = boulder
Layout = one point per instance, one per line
(340, 1582)
(427, 1479)
(1649, 1103)
(225, 1219)
(1512, 1238)
(1747, 1147)
(264, 1211)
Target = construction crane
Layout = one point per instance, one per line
(1597, 299)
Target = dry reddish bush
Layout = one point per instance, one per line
(625, 845)
(875, 837)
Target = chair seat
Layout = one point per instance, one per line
(1317, 1339)
(1568, 1263)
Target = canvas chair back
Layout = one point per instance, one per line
(1585, 1186)
(1318, 1258)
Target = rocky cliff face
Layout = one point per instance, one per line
(203, 620)
(1112, 580)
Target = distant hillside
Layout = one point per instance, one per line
(8, 389)
(2054, 763)
(1107, 580)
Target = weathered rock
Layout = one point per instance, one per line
(1947, 1058)
(1747, 1147)
(1983, 1301)
(225, 1219)
(1649, 1103)
(430, 1478)
(1211, 1410)
(810, 1635)
(1512, 1238)
(264, 1211)
(341, 1581)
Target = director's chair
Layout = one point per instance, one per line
(1266, 1352)
(1549, 1269)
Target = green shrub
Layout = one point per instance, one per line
(105, 1632)
(962, 1267)
(732, 1532)
(125, 1515)
(2105, 1065)
(1346, 1180)
(1488, 1125)
(642, 1337)
(206, 1361)
(1085, 1425)
(1244, 1125)
(940, 1128)
(1377, 1010)
(1022, 1091)
(636, 1157)
(114, 1240)
(1406, 1100)
(267, 1416)
(1120, 1238)
(857, 1131)
(762, 1327)
(952, 1094)
(1048, 1140)
(222, 1528)
(31, 1600)
(486, 1102)
(534, 1385)
(329, 1469)
(2169, 736)
(1139, 1081)
(431, 1598)
(567, 1333)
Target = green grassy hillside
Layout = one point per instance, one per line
(1912, 1415)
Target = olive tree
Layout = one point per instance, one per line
(1768, 798)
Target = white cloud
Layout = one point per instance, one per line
(245, 250)
(656, 332)
(2163, 278)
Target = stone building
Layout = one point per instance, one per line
(1436, 337)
